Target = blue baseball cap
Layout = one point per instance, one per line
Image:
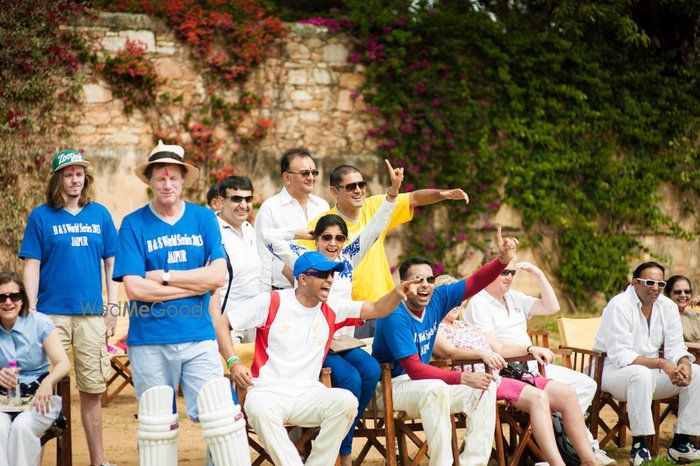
(316, 261)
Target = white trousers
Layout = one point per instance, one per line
(433, 401)
(20, 439)
(639, 385)
(584, 386)
(270, 406)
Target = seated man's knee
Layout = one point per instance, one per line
(695, 380)
(640, 375)
(258, 408)
(342, 400)
(436, 393)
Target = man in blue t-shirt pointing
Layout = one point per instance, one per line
(170, 259)
(406, 338)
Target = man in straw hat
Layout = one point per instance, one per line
(170, 259)
(70, 233)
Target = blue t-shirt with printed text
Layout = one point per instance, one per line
(401, 334)
(147, 242)
(71, 248)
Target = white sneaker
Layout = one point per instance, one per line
(684, 454)
(603, 457)
(600, 455)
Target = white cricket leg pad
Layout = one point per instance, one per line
(223, 424)
(158, 427)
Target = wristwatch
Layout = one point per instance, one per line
(166, 277)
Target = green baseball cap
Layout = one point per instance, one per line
(66, 158)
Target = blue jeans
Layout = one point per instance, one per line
(190, 364)
(356, 371)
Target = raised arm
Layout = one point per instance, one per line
(548, 304)
(433, 196)
(387, 303)
(358, 249)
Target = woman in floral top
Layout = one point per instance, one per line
(538, 396)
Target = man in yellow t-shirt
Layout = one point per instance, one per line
(372, 277)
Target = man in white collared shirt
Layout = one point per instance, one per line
(635, 325)
(238, 237)
(293, 207)
(503, 313)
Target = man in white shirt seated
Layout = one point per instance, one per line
(295, 328)
(292, 208)
(635, 325)
(503, 313)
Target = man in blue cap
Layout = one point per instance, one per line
(294, 332)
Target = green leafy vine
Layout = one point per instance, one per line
(575, 113)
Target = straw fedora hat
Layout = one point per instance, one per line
(170, 154)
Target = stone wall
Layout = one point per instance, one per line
(309, 92)
(310, 96)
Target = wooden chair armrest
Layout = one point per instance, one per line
(573, 349)
(326, 376)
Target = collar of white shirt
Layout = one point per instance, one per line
(286, 198)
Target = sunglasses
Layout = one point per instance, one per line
(306, 173)
(679, 292)
(328, 237)
(350, 187)
(239, 199)
(430, 279)
(648, 282)
(322, 274)
(507, 272)
(14, 297)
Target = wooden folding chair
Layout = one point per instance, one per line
(121, 377)
(513, 449)
(60, 432)
(578, 336)
(375, 424)
(303, 443)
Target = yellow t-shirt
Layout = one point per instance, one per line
(371, 278)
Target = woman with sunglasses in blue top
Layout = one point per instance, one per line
(30, 343)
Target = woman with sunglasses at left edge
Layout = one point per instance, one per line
(354, 370)
(30, 340)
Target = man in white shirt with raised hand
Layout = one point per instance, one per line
(503, 312)
(635, 325)
(294, 330)
(292, 208)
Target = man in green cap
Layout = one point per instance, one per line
(66, 242)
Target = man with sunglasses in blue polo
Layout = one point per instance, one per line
(634, 326)
(504, 312)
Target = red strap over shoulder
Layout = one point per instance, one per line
(261, 334)
(274, 307)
